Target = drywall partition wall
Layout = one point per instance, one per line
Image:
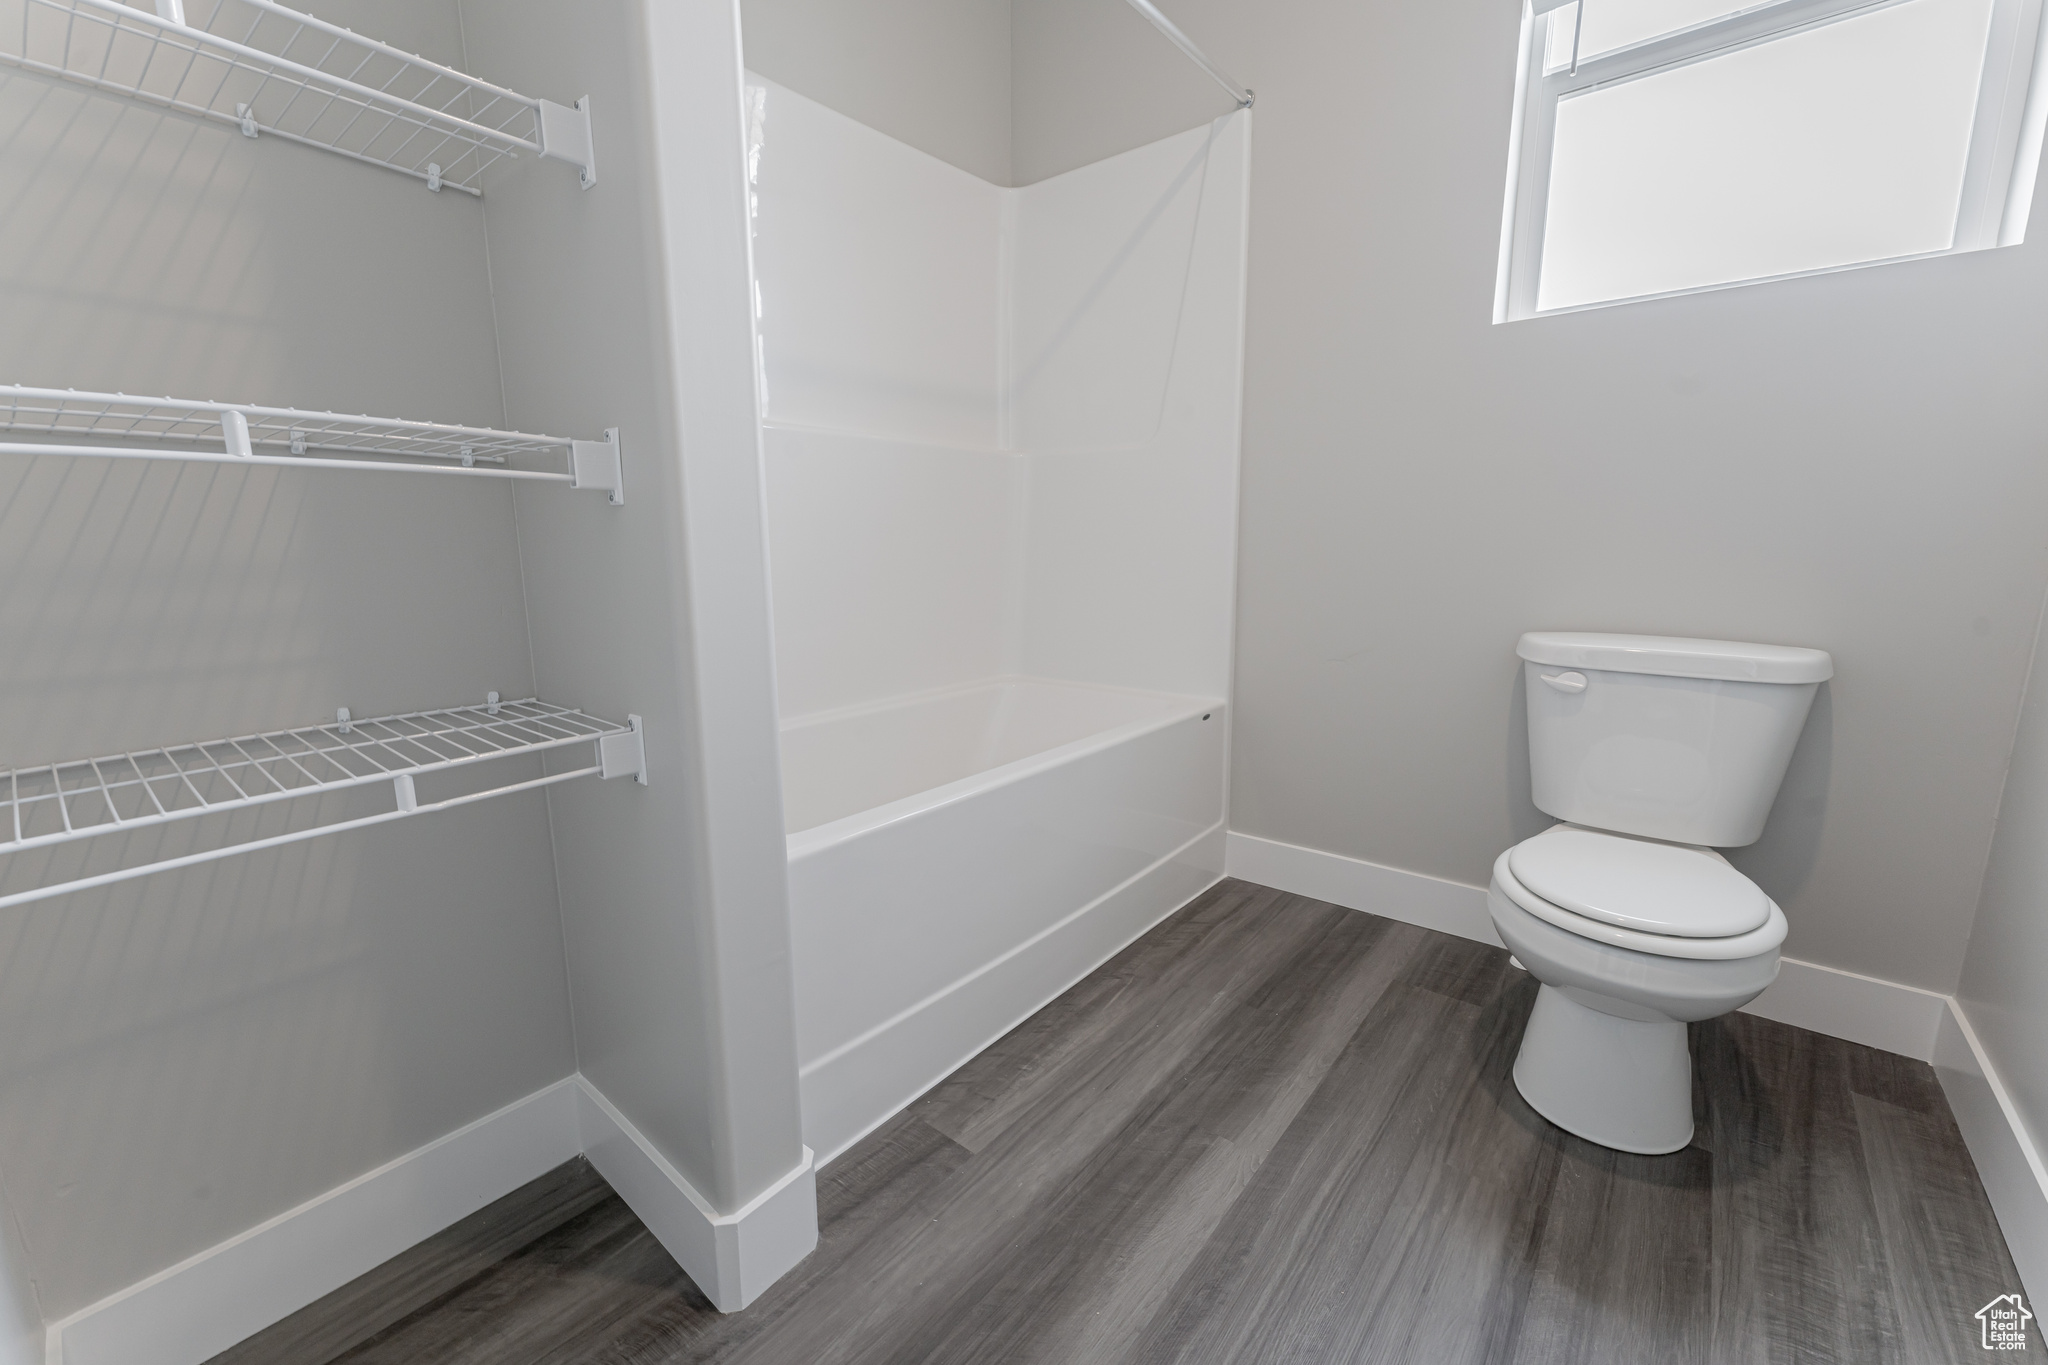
(1849, 461)
(630, 306)
(188, 1054)
(934, 73)
(21, 1325)
(2001, 993)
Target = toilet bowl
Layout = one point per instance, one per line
(1654, 751)
(1604, 1054)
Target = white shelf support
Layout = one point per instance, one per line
(263, 68)
(62, 803)
(565, 136)
(624, 755)
(221, 433)
(234, 430)
(596, 464)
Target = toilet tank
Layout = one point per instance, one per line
(1669, 738)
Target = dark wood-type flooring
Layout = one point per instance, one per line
(1271, 1130)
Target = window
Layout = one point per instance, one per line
(1668, 146)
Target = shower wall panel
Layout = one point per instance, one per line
(894, 565)
(1098, 271)
(879, 313)
(1001, 423)
(1131, 555)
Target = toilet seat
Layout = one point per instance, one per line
(1647, 885)
(1759, 940)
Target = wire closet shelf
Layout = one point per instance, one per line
(228, 433)
(64, 802)
(268, 70)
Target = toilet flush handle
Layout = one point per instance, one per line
(1574, 681)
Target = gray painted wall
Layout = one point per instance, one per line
(186, 1055)
(2001, 988)
(1011, 90)
(933, 73)
(1851, 461)
(624, 307)
(1092, 78)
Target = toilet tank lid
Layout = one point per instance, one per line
(1674, 656)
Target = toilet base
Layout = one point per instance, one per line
(1623, 1083)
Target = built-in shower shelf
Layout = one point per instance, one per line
(231, 433)
(274, 72)
(61, 803)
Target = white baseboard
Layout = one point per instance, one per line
(1355, 884)
(856, 1088)
(2009, 1159)
(732, 1257)
(206, 1303)
(1861, 1009)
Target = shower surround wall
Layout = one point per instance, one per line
(1001, 437)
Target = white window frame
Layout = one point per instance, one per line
(1998, 181)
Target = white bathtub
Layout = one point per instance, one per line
(959, 858)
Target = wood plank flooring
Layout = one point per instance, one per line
(1271, 1131)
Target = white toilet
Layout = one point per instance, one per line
(1654, 751)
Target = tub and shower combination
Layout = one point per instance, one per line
(1001, 443)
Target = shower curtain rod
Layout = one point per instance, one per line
(1195, 54)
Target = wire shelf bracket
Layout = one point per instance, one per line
(228, 433)
(65, 802)
(271, 71)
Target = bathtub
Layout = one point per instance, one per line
(959, 858)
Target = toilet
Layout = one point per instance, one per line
(1653, 751)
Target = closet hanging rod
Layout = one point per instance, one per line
(1243, 96)
(65, 802)
(269, 70)
(183, 429)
